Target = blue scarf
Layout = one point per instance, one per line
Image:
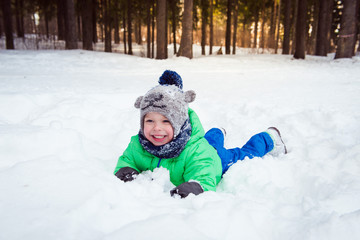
(173, 148)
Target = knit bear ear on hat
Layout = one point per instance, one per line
(138, 101)
(190, 96)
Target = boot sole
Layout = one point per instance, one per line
(277, 130)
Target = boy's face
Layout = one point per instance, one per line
(158, 129)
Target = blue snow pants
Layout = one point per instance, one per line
(258, 145)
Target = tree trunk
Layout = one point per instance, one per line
(211, 27)
(116, 28)
(272, 26)
(116, 22)
(1, 25)
(293, 26)
(87, 24)
(47, 25)
(244, 32)
(94, 3)
(300, 30)
(228, 27)
(174, 26)
(79, 30)
(278, 27)
(256, 14)
(264, 19)
(153, 30)
(161, 44)
(19, 11)
(107, 25)
(313, 20)
(136, 29)
(124, 26)
(187, 24)
(61, 19)
(138, 39)
(236, 10)
(329, 25)
(70, 25)
(321, 38)
(148, 24)
(287, 26)
(204, 17)
(6, 9)
(129, 28)
(348, 31)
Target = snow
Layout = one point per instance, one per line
(66, 116)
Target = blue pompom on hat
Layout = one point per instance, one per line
(171, 78)
(167, 99)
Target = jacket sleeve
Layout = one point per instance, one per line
(201, 167)
(127, 158)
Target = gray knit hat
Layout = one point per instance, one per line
(167, 99)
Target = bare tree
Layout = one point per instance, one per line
(186, 37)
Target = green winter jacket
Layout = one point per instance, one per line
(198, 161)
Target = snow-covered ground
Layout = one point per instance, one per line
(66, 116)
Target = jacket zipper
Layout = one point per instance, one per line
(159, 162)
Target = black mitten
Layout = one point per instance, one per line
(126, 174)
(186, 188)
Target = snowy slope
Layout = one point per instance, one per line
(66, 116)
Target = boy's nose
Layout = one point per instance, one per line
(157, 126)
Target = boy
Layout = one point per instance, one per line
(171, 136)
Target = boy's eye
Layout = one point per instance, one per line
(166, 121)
(148, 120)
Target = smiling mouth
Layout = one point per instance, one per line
(159, 138)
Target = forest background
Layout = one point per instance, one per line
(297, 27)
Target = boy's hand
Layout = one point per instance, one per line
(126, 174)
(186, 188)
